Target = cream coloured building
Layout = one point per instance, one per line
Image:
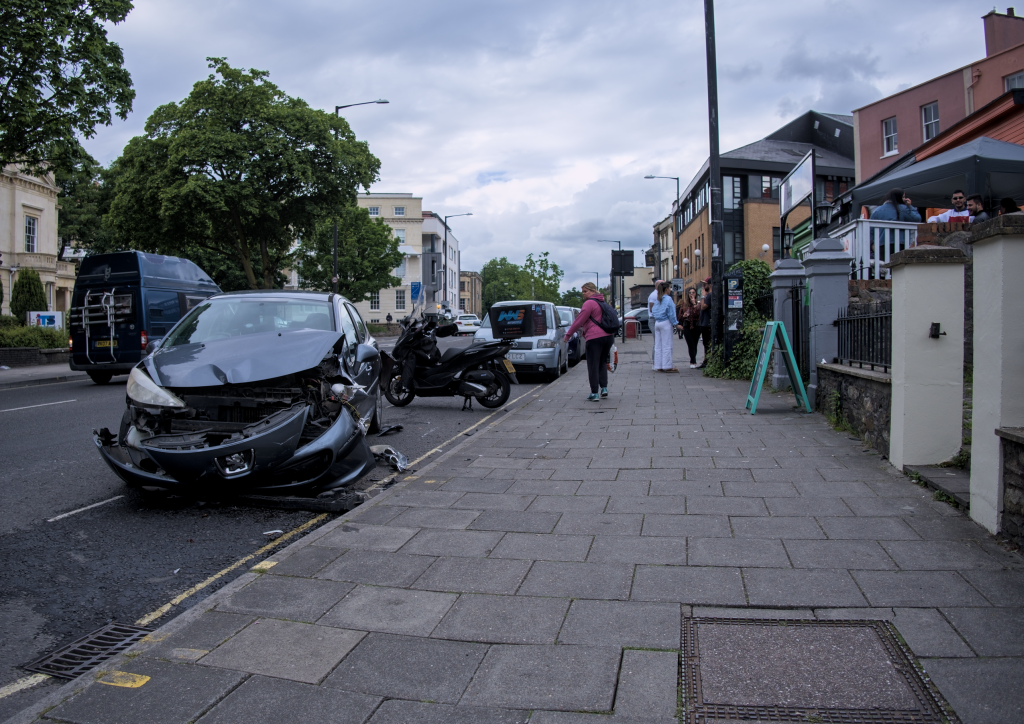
(28, 237)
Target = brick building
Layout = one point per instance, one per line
(471, 293)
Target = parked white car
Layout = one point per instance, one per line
(467, 323)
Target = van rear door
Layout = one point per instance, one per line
(106, 321)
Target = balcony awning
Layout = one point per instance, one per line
(408, 250)
(994, 169)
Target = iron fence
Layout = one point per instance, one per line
(865, 335)
(798, 327)
(765, 305)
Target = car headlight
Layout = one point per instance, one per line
(545, 344)
(145, 391)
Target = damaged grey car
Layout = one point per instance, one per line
(265, 392)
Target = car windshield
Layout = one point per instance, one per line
(236, 316)
(564, 316)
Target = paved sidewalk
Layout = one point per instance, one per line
(37, 375)
(658, 556)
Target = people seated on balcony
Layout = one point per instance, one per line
(976, 207)
(897, 207)
(1008, 206)
(957, 215)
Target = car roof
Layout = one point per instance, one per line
(519, 301)
(299, 293)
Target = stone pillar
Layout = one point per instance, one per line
(927, 371)
(788, 274)
(998, 354)
(828, 276)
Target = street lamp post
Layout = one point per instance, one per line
(657, 242)
(334, 276)
(444, 250)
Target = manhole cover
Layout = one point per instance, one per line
(79, 656)
(755, 670)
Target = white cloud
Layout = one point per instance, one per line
(542, 118)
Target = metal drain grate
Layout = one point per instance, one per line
(79, 656)
(930, 707)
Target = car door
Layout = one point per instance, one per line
(365, 370)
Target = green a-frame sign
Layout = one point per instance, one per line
(771, 331)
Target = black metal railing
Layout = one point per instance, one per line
(765, 305)
(865, 335)
(799, 329)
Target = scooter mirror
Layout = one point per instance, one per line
(447, 330)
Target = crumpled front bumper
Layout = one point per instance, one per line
(267, 462)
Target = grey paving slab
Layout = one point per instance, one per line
(377, 568)
(789, 614)
(516, 521)
(544, 487)
(377, 515)
(503, 619)
(864, 528)
(799, 666)
(778, 475)
(747, 552)
(689, 585)
(981, 691)
(637, 549)
(676, 488)
(453, 543)
(476, 485)
(566, 678)
(614, 487)
(494, 501)
(435, 518)
(790, 528)
(647, 504)
(860, 472)
(719, 475)
(801, 587)
(600, 524)
(173, 694)
(203, 635)
(390, 610)
(408, 667)
(295, 599)
(474, 575)
(306, 561)
(835, 490)
(609, 581)
(543, 547)
(701, 526)
(396, 711)
(913, 589)
(707, 505)
(855, 614)
(289, 702)
(759, 490)
(588, 475)
(622, 623)
(1001, 588)
(569, 503)
(851, 554)
(832, 507)
(954, 528)
(428, 498)
(902, 507)
(367, 537)
(928, 633)
(936, 555)
(648, 684)
(990, 631)
(285, 650)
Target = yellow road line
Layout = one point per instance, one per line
(21, 684)
(150, 617)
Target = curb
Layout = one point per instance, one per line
(36, 381)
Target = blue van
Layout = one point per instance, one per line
(123, 302)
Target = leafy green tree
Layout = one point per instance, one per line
(545, 278)
(572, 298)
(27, 294)
(85, 190)
(503, 281)
(367, 255)
(240, 170)
(60, 77)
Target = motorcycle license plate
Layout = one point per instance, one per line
(508, 366)
(515, 357)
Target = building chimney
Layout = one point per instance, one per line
(1009, 12)
(1002, 32)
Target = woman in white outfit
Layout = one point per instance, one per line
(663, 314)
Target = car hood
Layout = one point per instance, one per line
(240, 360)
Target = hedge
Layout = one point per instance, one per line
(39, 337)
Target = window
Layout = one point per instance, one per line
(732, 196)
(462, 305)
(776, 243)
(1014, 81)
(31, 228)
(399, 270)
(462, 286)
(770, 187)
(375, 301)
(361, 333)
(400, 300)
(399, 211)
(400, 235)
(374, 210)
(930, 120)
(889, 144)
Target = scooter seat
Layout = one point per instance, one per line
(451, 352)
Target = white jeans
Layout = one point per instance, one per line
(663, 345)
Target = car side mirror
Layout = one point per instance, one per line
(366, 353)
(154, 345)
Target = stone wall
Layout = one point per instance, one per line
(956, 236)
(31, 356)
(865, 400)
(1013, 484)
(865, 292)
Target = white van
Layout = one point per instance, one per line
(546, 354)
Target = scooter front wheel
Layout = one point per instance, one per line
(396, 394)
(499, 396)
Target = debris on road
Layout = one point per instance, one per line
(390, 429)
(386, 453)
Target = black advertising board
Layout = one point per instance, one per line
(622, 263)
(513, 321)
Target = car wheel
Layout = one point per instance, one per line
(397, 396)
(500, 396)
(376, 424)
(101, 378)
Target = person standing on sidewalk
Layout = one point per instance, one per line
(689, 316)
(663, 314)
(599, 342)
(705, 321)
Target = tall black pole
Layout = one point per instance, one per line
(717, 230)
(334, 277)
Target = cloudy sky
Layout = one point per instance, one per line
(541, 117)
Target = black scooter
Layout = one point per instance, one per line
(417, 368)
